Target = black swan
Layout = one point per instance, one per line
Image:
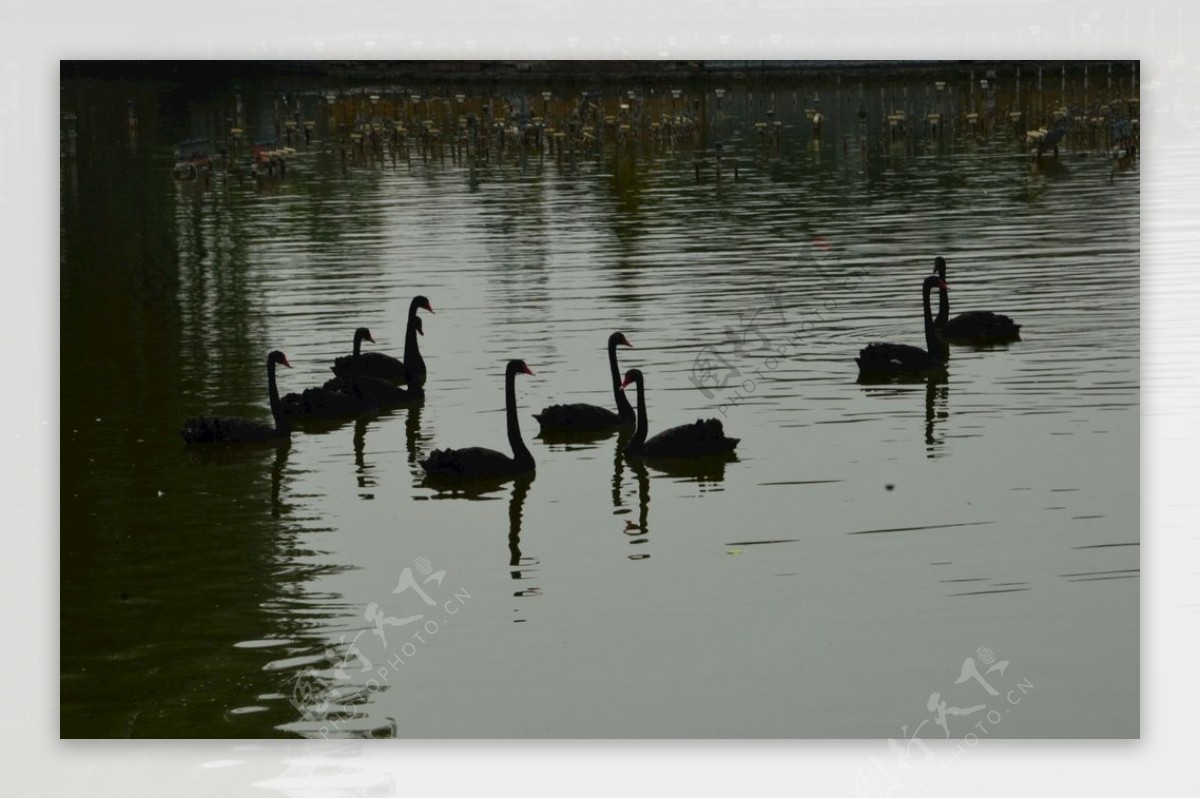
(341, 400)
(702, 437)
(479, 462)
(898, 359)
(235, 430)
(351, 375)
(410, 371)
(581, 417)
(973, 327)
(376, 391)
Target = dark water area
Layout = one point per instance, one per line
(868, 539)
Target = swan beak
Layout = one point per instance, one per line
(528, 371)
(943, 285)
(429, 308)
(626, 343)
(285, 363)
(625, 382)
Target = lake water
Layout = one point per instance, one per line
(872, 546)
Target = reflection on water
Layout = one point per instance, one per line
(281, 453)
(638, 531)
(361, 470)
(708, 472)
(937, 395)
(414, 441)
(937, 392)
(523, 566)
(325, 588)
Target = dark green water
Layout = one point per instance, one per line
(868, 540)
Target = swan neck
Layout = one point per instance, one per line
(639, 433)
(413, 362)
(281, 420)
(356, 358)
(931, 337)
(943, 314)
(520, 451)
(624, 409)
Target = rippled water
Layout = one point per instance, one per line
(866, 542)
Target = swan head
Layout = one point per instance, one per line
(363, 334)
(935, 281)
(939, 266)
(618, 338)
(278, 357)
(518, 367)
(421, 301)
(632, 376)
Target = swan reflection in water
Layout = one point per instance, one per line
(708, 472)
(362, 471)
(485, 490)
(412, 442)
(937, 395)
(413, 439)
(639, 531)
(277, 468)
(231, 461)
(516, 509)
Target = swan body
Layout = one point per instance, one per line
(480, 463)
(578, 417)
(470, 463)
(323, 404)
(981, 327)
(581, 417)
(880, 358)
(236, 430)
(702, 437)
(379, 365)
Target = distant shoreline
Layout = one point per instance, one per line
(453, 71)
